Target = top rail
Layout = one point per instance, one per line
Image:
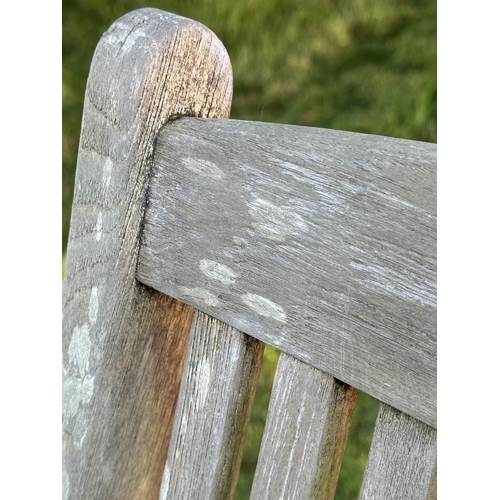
(319, 242)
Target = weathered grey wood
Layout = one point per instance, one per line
(124, 344)
(305, 434)
(319, 242)
(403, 459)
(217, 390)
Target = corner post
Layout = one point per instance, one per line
(124, 343)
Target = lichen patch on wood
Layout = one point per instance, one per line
(199, 293)
(273, 221)
(242, 242)
(264, 307)
(204, 168)
(79, 349)
(217, 271)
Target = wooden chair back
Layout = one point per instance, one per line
(194, 242)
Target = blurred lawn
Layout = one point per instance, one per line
(360, 65)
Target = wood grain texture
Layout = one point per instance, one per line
(124, 344)
(217, 390)
(305, 434)
(319, 242)
(403, 459)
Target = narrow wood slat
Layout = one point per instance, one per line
(217, 390)
(403, 459)
(305, 434)
(319, 242)
(124, 343)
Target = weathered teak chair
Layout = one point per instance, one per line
(318, 242)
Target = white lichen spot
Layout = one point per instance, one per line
(75, 393)
(264, 307)
(217, 271)
(199, 293)
(202, 378)
(80, 429)
(98, 227)
(79, 349)
(106, 172)
(93, 305)
(204, 168)
(240, 241)
(71, 395)
(274, 222)
(87, 389)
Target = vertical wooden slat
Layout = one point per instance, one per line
(402, 460)
(217, 390)
(305, 434)
(123, 343)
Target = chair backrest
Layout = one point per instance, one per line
(195, 241)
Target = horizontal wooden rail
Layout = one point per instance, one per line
(319, 242)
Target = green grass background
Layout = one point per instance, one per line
(360, 65)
